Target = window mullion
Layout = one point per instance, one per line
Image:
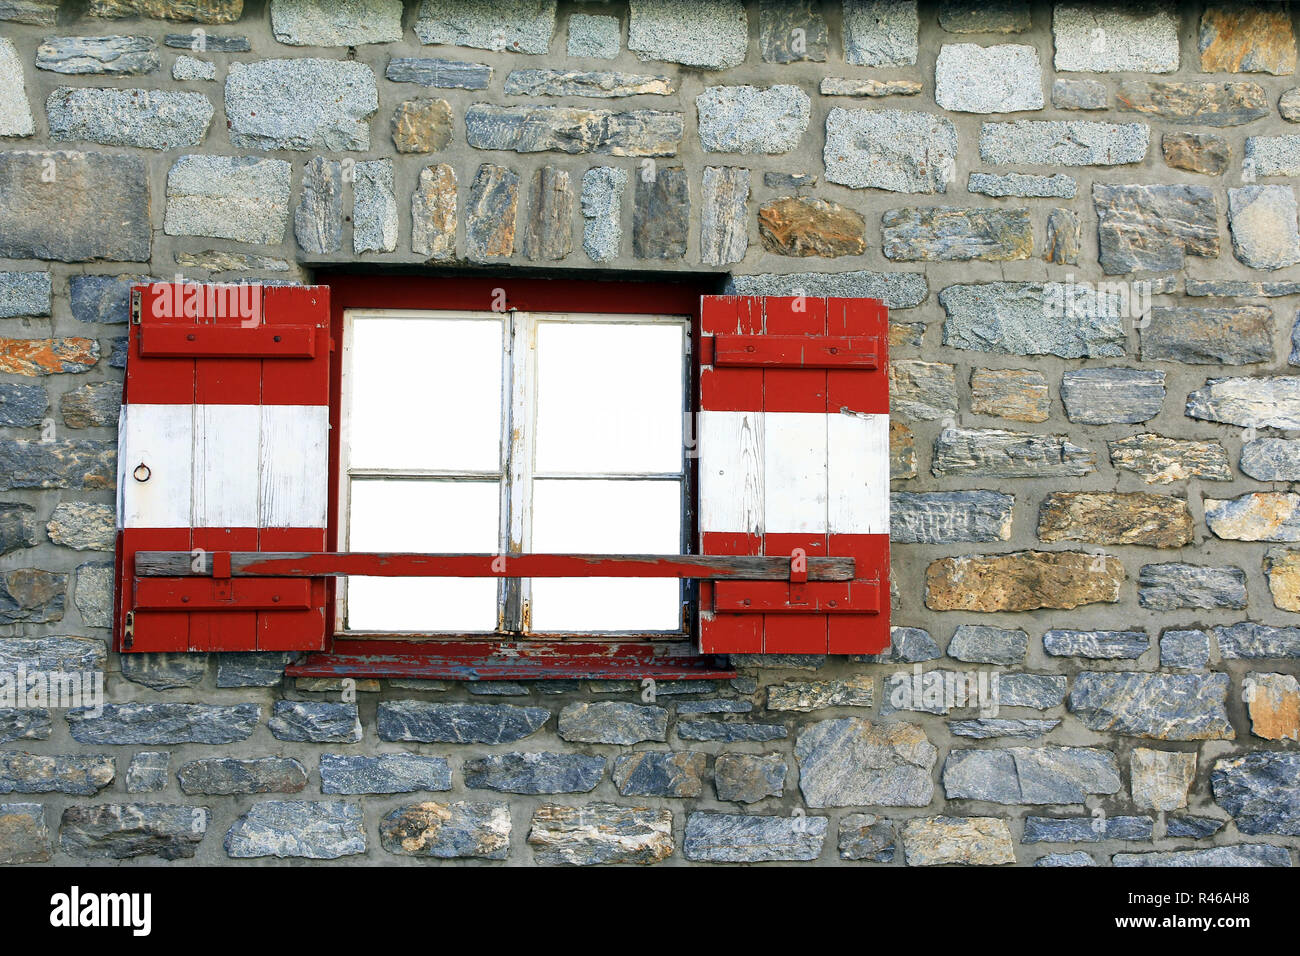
(518, 485)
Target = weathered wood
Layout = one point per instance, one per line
(775, 597)
(403, 565)
(796, 351)
(227, 341)
(196, 594)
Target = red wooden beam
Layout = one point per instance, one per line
(227, 341)
(199, 594)
(797, 351)
(775, 597)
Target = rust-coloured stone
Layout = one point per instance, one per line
(549, 230)
(433, 213)
(36, 357)
(196, 11)
(1014, 393)
(1247, 38)
(1158, 521)
(1022, 581)
(1282, 566)
(1206, 104)
(422, 126)
(1273, 701)
(490, 216)
(902, 451)
(1207, 153)
(803, 226)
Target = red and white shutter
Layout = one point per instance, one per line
(794, 459)
(223, 446)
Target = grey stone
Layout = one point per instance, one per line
(597, 37)
(602, 84)
(855, 86)
(1250, 640)
(1264, 516)
(1097, 645)
(548, 234)
(1162, 460)
(109, 55)
(165, 723)
(149, 119)
(1184, 648)
(600, 834)
(571, 129)
(880, 32)
(1272, 155)
(1005, 78)
(897, 150)
(1262, 220)
(103, 299)
(433, 213)
(748, 778)
(227, 775)
(984, 16)
(18, 527)
(608, 722)
(374, 208)
(127, 831)
(987, 728)
(1085, 829)
(1102, 396)
(207, 43)
(1288, 105)
(207, 11)
(228, 197)
(713, 705)
(1030, 775)
(25, 723)
(315, 721)
(653, 773)
(82, 775)
(1248, 854)
(1238, 336)
(490, 213)
(789, 32)
(729, 731)
(22, 406)
(922, 390)
(864, 836)
(1235, 288)
(311, 830)
(93, 594)
(745, 119)
(519, 26)
(799, 662)
(1261, 402)
(57, 654)
(1271, 459)
(724, 223)
(192, 68)
(24, 293)
(318, 220)
(897, 290)
(743, 838)
(448, 830)
(535, 773)
(38, 12)
(117, 358)
(1261, 790)
(1154, 228)
(1195, 828)
(32, 596)
(1063, 143)
(805, 696)
(911, 645)
(1034, 318)
(1036, 691)
(24, 838)
(1064, 236)
(147, 772)
(301, 104)
(709, 34)
(661, 212)
(1115, 38)
(956, 234)
(1079, 95)
(942, 517)
(1156, 706)
(1167, 587)
(71, 463)
(1077, 858)
(96, 207)
(994, 453)
(422, 721)
(442, 74)
(92, 406)
(849, 761)
(1022, 185)
(336, 22)
(982, 644)
(165, 671)
(251, 669)
(602, 203)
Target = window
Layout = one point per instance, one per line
(513, 432)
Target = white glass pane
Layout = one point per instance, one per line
(606, 517)
(425, 393)
(439, 516)
(609, 397)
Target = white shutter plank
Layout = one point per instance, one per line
(226, 439)
(160, 437)
(857, 456)
(794, 472)
(293, 467)
(731, 471)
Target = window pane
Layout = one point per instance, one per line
(426, 393)
(609, 397)
(606, 517)
(438, 516)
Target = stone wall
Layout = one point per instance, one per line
(1084, 221)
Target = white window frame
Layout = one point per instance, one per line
(517, 472)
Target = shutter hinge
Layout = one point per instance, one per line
(128, 630)
(135, 306)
